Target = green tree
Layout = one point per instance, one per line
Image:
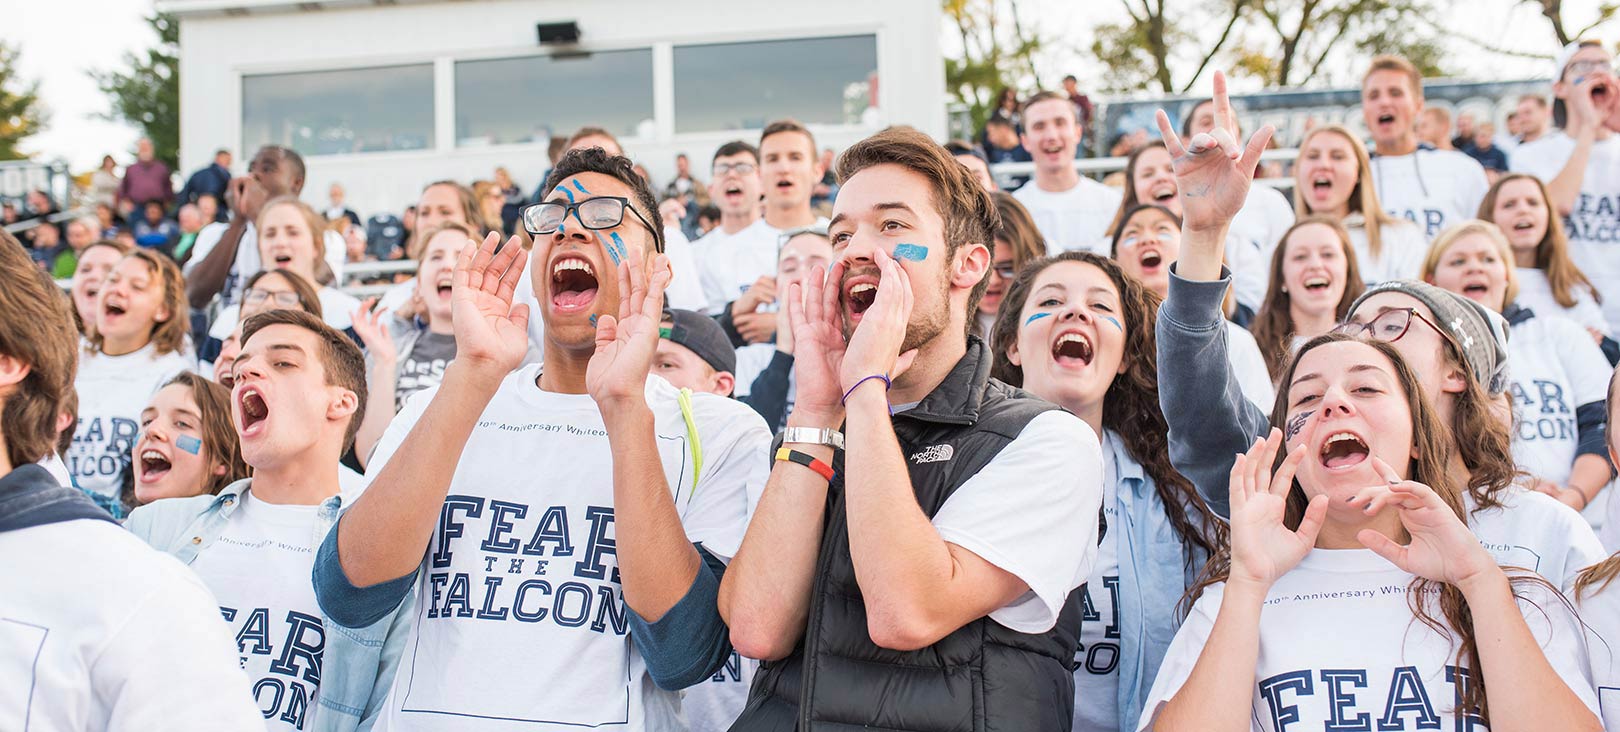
(147, 93)
(1142, 53)
(997, 50)
(1302, 39)
(21, 113)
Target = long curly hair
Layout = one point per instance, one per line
(1432, 444)
(1131, 404)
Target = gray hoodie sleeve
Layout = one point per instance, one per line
(1210, 420)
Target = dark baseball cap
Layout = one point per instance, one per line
(701, 335)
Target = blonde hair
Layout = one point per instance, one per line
(315, 222)
(1363, 197)
(1453, 234)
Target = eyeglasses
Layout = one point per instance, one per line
(600, 212)
(1389, 326)
(738, 168)
(1578, 69)
(285, 299)
(1006, 271)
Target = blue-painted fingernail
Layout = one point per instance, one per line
(189, 444)
(913, 252)
(1034, 317)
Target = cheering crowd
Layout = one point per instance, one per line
(838, 442)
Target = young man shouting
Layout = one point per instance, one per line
(1071, 210)
(912, 562)
(564, 526)
(299, 391)
(1431, 188)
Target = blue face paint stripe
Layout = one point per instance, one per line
(613, 253)
(189, 444)
(614, 235)
(566, 192)
(579, 187)
(1111, 319)
(1034, 317)
(913, 252)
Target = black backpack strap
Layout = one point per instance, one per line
(30, 497)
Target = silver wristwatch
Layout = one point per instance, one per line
(814, 436)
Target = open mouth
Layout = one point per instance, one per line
(860, 296)
(1317, 284)
(154, 465)
(1321, 184)
(784, 184)
(1475, 288)
(443, 287)
(1151, 260)
(1386, 119)
(1342, 450)
(282, 260)
(733, 191)
(113, 309)
(1072, 349)
(1164, 194)
(573, 284)
(1525, 225)
(254, 411)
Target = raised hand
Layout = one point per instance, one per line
(626, 343)
(490, 331)
(1442, 547)
(874, 348)
(368, 324)
(1213, 172)
(1263, 548)
(818, 342)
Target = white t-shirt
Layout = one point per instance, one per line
(751, 362)
(1096, 662)
(1593, 225)
(1401, 248)
(731, 263)
(520, 620)
(112, 392)
(1074, 219)
(337, 310)
(100, 632)
(1032, 512)
(259, 570)
(1533, 531)
(1554, 367)
(1340, 648)
(1431, 188)
(1536, 294)
(1256, 229)
(247, 257)
(1600, 610)
(1249, 366)
(685, 290)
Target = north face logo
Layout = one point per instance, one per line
(933, 454)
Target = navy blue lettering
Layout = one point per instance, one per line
(459, 594)
(609, 610)
(1283, 714)
(298, 647)
(559, 607)
(436, 582)
(1341, 700)
(1407, 696)
(272, 683)
(591, 566)
(297, 706)
(488, 611)
(516, 567)
(499, 526)
(731, 670)
(449, 528)
(553, 529)
(517, 601)
(1466, 718)
(256, 629)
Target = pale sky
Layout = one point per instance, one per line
(62, 40)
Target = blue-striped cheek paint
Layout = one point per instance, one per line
(1034, 317)
(913, 252)
(189, 444)
(1111, 319)
(614, 235)
(593, 320)
(612, 253)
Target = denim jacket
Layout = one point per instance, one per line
(358, 664)
(1149, 588)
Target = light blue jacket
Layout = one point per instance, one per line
(1150, 588)
(357, 665)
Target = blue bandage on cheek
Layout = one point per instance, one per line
(913, 252)
(1034, 317)
(189, 444)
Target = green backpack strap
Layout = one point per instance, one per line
(692, 440)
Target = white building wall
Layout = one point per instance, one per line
(218, 49)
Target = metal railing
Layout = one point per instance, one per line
(1004, 172)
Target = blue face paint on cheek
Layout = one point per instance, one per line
(614, 235)
(913, 252)
(593, 320)
(612, 253)
(1034, 317)
(1111, 319)
(189, 444)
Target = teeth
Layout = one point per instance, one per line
(573, 265)
(1073, 338)
(1316, 282)
(152, 455)
(862, 287)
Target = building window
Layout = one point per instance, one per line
(340, 112)
(830, 81)
(534, 98)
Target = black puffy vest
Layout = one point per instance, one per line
(981, 678)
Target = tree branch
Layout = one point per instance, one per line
(1237, 13)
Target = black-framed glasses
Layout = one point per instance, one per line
(595, 213)
(284, 298)
(1006, 271)
(1388, 326)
